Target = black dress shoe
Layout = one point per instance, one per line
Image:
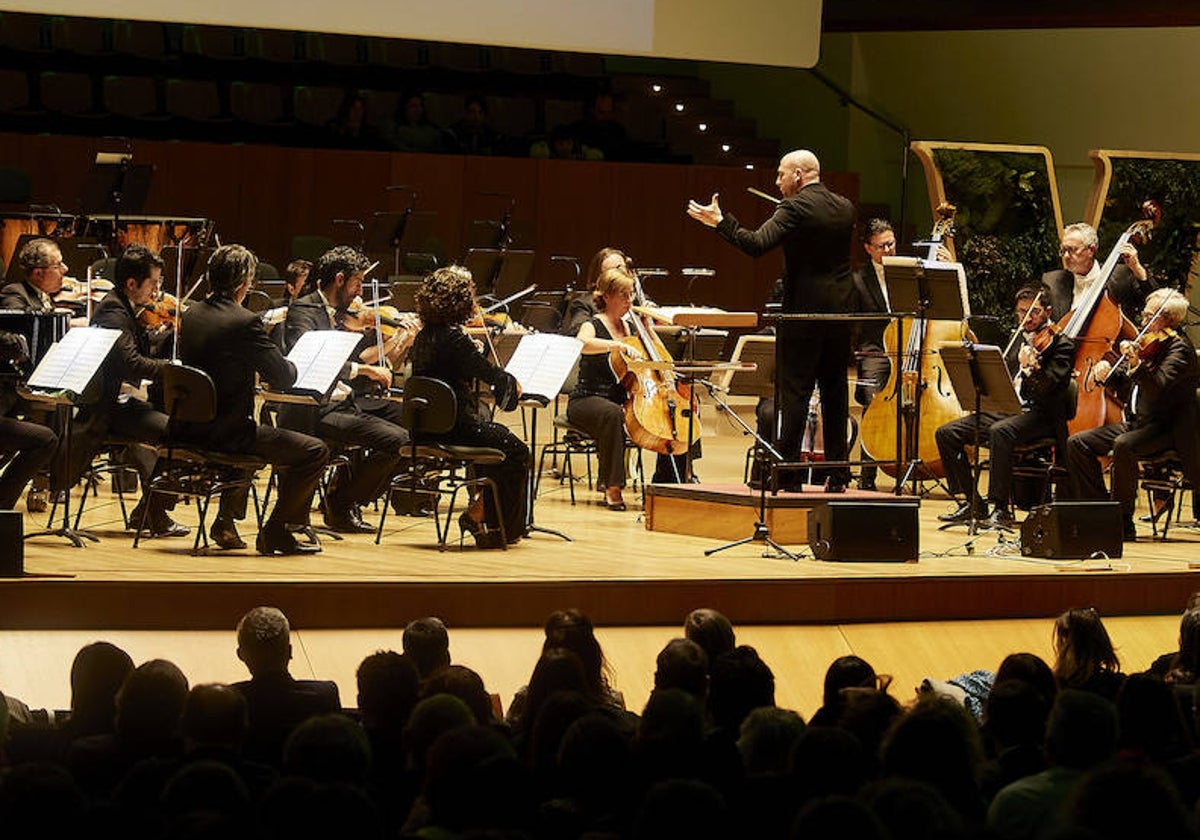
(835, 485)
(276, 539)
(1001, 520)
(961, 515)
(224, 533)
(347, 521)
(866, 484)
(165, 526)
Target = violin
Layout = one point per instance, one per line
(1152, 346)
(159, 314)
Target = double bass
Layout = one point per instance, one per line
(1097, 326)
(661, 413)
(922, 384)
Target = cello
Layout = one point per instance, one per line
(1097, 326)
(922, 384)
(661, 413)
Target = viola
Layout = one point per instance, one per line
(1042, 339)
(160, 313)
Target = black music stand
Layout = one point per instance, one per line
(484, 265)
(515, 268)
(979, 371)
(933, 291)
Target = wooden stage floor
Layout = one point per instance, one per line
(614, 569)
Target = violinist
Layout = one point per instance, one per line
(1160, 375)
(297, 281)
(443, 350)
(31, 445)
(44, 274)
(1128, 285)
(1041, 365)
(597, 404)
(139, 277)
(813, 226)
(371, 424)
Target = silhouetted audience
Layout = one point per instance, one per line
(1084, 655)
(427, 643)
(475, 136)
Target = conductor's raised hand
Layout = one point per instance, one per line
(708, 214)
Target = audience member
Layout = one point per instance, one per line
(413, 131)
(475, 136)
(461, 682)
(1014, 725)
(427, 643)
(276, 701)
(683, 664)
(845, 672)
(1084, 658)
(711, 630)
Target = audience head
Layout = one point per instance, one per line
(1185, 667)
(1081, 731)
(1128, 799)
(711, 630)
(465, 684)
(388, 683)
(446, 297)
(826, 761)
(328, 749)
(682, 808)
(836, 817)
(682, 664)
(231, 271)
(571, 630)
(150, 703)
(208, 788)
(411, 110)
(912, 810)
(1029, 668)
(849, 672)
(1082, 648)
(1015, 714)
(1150, 720)
(40, 799)
(432, 717)
(474, 782)
(937, 742)
(594, 759)
(215, 715)
(557, 670)
(767, 737)
(97, 673)
(739, 683)
(427, 643)
(264, 641)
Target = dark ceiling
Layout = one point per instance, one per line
(902, 15)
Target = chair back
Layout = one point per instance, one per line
(189, 395)
(429, 406)
(257, 301)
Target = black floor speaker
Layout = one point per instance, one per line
(1073, 530)
(12, 543)
(884, 532)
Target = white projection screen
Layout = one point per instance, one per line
(783, 33)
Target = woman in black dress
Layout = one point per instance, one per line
(442, 350)
(597, 403)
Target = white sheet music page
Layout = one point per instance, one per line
(71, 362)
(543, 361)
(319, 356)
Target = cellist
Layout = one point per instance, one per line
(1128, 285)
(596, 405)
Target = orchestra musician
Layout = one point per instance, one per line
(44, 274)
(814, 227)
(371, 424)
(874, 366)
(228, 342)
(31, 445)
(597, 404)
(1041, 363)
(1158, 378)
(296, 281)
(442, 350)
(139, 277)
(1128, 285)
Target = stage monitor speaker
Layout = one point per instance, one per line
(12, 544)
(867, 531)
(1073, 530)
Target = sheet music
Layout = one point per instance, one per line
(542, 362)
(319, 356)
(71, 362)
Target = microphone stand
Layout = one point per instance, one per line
(762, 533)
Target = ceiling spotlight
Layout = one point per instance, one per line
(749, 165)
(703, 126)
(656, 88)
(725, 147)
(679, 107)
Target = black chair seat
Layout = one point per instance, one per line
(474, 454)
(211, 457)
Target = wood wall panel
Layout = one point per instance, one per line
(263, 196)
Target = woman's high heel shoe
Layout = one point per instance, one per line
(1161, 506)
(484, 537)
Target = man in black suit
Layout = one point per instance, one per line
(1041, 379)
(1128, 285)
(814, 227)
(370, 423)
(874, 366)
(44, 273)
(276, 702)
(1160, 401)
(228, 342)
(139, 278)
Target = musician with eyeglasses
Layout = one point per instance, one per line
(1128, 285)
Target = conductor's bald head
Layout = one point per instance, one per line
(797, 169)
